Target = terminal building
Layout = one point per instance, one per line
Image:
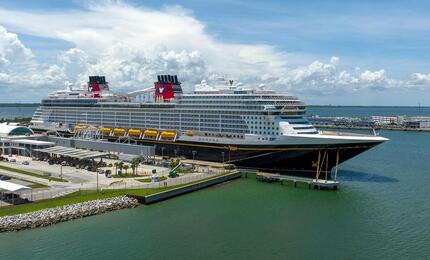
(16, 139)
(417, 122)
(20, 140)
(11, 129)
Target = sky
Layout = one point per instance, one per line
(325, 52)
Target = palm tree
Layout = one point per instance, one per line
(126, 166)
(121, 166)
(134, 165)
(116, 164)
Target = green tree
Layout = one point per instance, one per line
(134, 165)
(126, 167)
(121, 166)
(173, 163)
(116, 164)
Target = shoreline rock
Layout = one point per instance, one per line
(50, 216)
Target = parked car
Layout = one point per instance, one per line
(4, 178)
(63, 163)
(229, 167)
(25, 163)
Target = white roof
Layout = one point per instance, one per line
(32, 142)
(73, 152)
(6, 129)
(9, 186)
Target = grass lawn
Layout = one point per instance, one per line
(184, 170)
(147, 180)
(72, 198)
(33, 185)
(129, 175)
(7, 168)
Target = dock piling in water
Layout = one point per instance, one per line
(319, 184)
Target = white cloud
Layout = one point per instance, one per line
(419, 79)
(132, 45)
(12, 51)
(334, 60)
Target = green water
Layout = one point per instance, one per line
(382, 211)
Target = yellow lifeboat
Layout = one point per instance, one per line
(150, 133)
(119, 131)
(189, 133)
(134, 132)
(106, 130)
(78, 127)
(168, 134)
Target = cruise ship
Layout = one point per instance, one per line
(226, 122)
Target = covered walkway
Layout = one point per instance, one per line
(73, 152)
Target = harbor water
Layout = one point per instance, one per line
(14, 111)
(381, 211)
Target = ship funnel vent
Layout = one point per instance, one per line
(172, 80)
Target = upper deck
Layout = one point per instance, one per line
(167, 93)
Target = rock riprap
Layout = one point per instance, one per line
(46, 217)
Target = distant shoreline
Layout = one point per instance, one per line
(369, 128)
(375, 106)
(19, 104)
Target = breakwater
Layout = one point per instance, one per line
(50, 216)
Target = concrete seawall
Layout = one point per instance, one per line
(50, 216)
(188, 188)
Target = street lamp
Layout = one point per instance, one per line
(194, 155)
(97, 188)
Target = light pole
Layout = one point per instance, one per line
(61, 171)
(153, 157)
(194, 155)
(97, 188)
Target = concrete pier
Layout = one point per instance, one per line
(319, 184)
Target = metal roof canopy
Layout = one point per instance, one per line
(32, 142)
(72, 152)
(9, 186)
